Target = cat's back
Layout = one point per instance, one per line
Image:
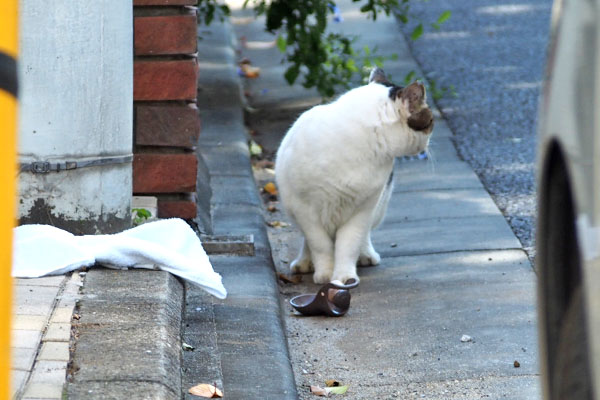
(341, 117)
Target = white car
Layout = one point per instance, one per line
(568, 233)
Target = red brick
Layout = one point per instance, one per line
(165, 80)
(176, 209)
(164, 173)
(165, 2)
(175, 34)
(175, 126)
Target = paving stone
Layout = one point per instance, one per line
(51, 372)
(43, 281)
(443, 235)
(22, 358)
(62, 314)
(34, 300)
(28, 338)
(419, 176)
(54, 351)
(38, 390)
(434, 204)
(17, 380)
(58, 332)
(29, 322)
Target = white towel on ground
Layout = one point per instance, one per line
(170, 245)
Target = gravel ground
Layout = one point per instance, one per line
(493, 53)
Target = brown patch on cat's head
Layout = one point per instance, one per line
(421, 120)
(414, 95)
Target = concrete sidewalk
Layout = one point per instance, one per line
(450, 267)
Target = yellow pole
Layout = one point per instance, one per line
(8, 129)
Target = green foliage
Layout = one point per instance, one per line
(437, 92)
(325, 60)
(140, 215)
(209, 9)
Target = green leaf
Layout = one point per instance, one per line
(409, 77)
(417, 32)
(291, 74)
(337, 389)
(142, 213)
(351, 65)
(281, 43)
(444, 17)
(255, 149)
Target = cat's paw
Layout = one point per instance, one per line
(345, 277)
(322, 277)
(370, 259)
(301, 266)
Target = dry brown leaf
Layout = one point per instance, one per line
(270, 188)
(318, 391)
(271, 208)
(250, 71)
(294, 279)
(332, 383)
(278, 224)
(264, 164)
(206, 390)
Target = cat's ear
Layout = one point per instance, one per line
(377, 75)
(414, 94)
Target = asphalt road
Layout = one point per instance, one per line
(493, 53)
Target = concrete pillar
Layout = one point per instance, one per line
(76, 105)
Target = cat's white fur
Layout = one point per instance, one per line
(331, 170)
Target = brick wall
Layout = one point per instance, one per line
(167, 123)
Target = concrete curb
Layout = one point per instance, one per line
(128, 341)
(240, 341)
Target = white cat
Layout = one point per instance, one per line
(334, 172)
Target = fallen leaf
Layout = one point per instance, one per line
(271, 208)
(294, 279)
(187, 347)
(278, 224)
(337, 389)
(517, 364)
(318, 391)
(249, 71)
(270, 188)
(255, 149)
(332, 383)
(206, 390)
(264, 164)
